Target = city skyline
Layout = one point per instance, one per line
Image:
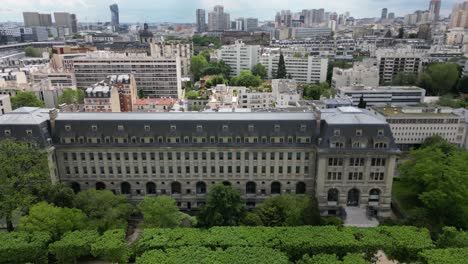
(177, 12)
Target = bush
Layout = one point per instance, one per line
(195, 255)
(332, 221)
(73, 245)
(111, 247)
(333, 259)
(446, 256)
(452, 238)
(22, 247)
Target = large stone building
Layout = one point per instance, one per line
(157, 77)
(343, 157)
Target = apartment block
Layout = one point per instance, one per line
(239, 56)
(384, 95)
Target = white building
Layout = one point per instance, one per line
(239, 56)
(359, 74)
(218, 20)
(411, 126)
(285, 93)
(384, 95)
(5, 104)
(303, 69)
(157, 77)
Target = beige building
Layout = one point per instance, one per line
(102, 98)
(5, 104)
(367, 75)
(459, 18)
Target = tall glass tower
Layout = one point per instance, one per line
(114, 16)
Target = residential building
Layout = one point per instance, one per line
(218, 20)
(285, 92)
(152, 105)
(367, 75)
(101, 98)
(45, 20)
(463, 114)
(34, 19)
(157, 77)
(172, 49)
(250, 24)
(434, 8)
(459, 17)
(5, 104)
(114, 9)
(327, 154)
(66, 20)
(303, 68)
(127, 89)
(394, 61)
(54, 79)
(312, 32)
(201, 21)
(239, 56)
(411, 126)
(384, 95)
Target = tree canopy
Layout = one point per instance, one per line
(436, 182)
(312, 91)
(247, 79)
(260, 70)
(463, 85)
(224, 207)
(26, 99)
(24, 172)
(162, 212)
(104, 209)
(71, 96)
(217, 67)
(215, 80)
(402, 79)
(197, 66)
(281, 72)
(205, 41)
(32, 52)
(440, 78)
(54, 220)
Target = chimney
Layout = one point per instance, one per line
(52, 116)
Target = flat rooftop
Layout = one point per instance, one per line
(415, 112)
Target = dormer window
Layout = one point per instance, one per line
(94, 128)
(380, 132)
(199, 128)
(277, 128)
(358, 132)
(29, 132)
(120, 128)
(225, 128)
(147, 128)
(67, 128)
(173, 128)
(251, 128)
(336, 132)
(7, 132)
(303, 128)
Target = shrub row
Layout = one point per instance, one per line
(333, 259)
(22, 247)
(446, 256)
(195, 255)
(402, 243)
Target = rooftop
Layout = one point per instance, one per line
(415, 111)
(350, 115)
(25, 116)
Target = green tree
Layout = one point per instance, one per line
(401, 33)
(224, 207)
(247, 79)
(289, 210)
(362, 104)
(54, 220)
(141, 94)
(463, 85)
(217, 67)
(440, 78)
(252, 219)
(24, 172)
(192, 95)
(205, 41)
(402, 79)
(313, 91)
(104, 209)
(260, 70)
(162, 212)
(198, 64)
(215, 80)
(32, 52)
(26, 99)
(57, 194)
(281, 72)
(452, 238)
(436, 181)
(71, 96)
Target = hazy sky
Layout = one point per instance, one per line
(184, 10)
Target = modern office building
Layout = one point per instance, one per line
(45, 20)
(201, 20)
(157, 77)
(311, 32)
(32, 19)
(434, 8)
(343, 157)
(218, 20)
(250, 24)
(303, 69)
(384, 13)
(384, 95)
(366, 75)
(411, 126)
(66, 20)
(114, 8)
(239, 56)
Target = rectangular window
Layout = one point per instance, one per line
(355, 176)
(376, 162)
(335, 162)
(334, 176)
(356, 162)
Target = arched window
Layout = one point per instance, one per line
(176, 188)
(275, 188)
(75, 187)
(333, 195)
(100, 186)
(300, 188)
(125, 188)
(226, 183)
(374, 195)
(250, 188)
(353, 197)
(201, 188)
(150, 188)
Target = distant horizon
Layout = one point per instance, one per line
(183, 11)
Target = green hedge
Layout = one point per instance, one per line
(111, 246)
(73, 245)
(446, 256)
(196, 255)
(22, 247)
(294, 241)
(333, 259)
